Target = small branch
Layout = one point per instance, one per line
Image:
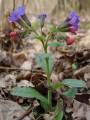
(8, 68)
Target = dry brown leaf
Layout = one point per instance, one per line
(11, 111)
(49, 116)
(27, 65)
(81, 111)
(8, 81)
(25, 83)
(19, 58)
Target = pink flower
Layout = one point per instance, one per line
(70, 40)
(13, 35)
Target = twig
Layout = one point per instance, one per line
(8, 68)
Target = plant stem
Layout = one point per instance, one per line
(50, 98)
(48, 79)
(45, 46)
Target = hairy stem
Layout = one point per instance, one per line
(48, 79)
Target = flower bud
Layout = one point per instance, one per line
(70, 40)
(73, 29)
(13, 34)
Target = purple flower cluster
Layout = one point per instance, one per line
(17, 14)
(42, 18)
(71, 24)
(73, 21)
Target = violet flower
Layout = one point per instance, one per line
(73, 21)
(13, 17)
(21, 11)
(42, 18)
(71, 24)
(17, 14)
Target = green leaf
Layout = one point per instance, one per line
(74, 83)
(35, 25)
(54, 29)
(40, 37)
(41, 61)
(57, 85)
(74, 66)
(58, 111)
(29, 93)
(71, 92)
(62, 26)
(60, 36)
(59, 115)
(55, 44)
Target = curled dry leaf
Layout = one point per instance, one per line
(81, 111)
(87, 79)
(8, 81)
(82, 70)
(25, 83)
(23, 75)
(49, 116)
(19, 58)
(2, 56)
(54, 77)
(27, 65)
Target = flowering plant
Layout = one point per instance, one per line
(45, 60)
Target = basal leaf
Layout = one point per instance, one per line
(29, 92)
(55, 44)
(57, 85)
(71, 92)
(40, 37)
(74, 83)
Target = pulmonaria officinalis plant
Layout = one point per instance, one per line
(45, 61)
